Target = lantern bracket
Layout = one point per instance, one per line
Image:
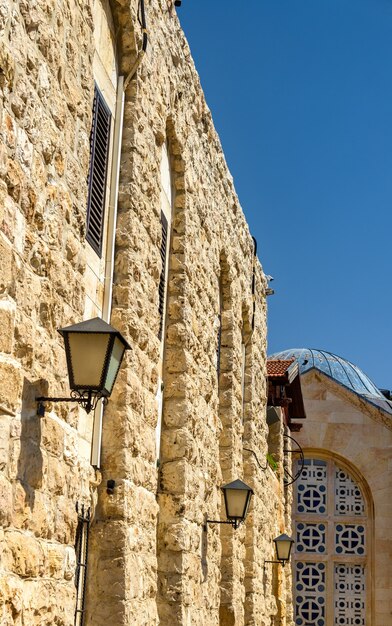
(233, 522)
(281, 562)
(297, 452)
(87, 399)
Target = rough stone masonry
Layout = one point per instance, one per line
(149, 559)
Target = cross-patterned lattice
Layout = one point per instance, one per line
(348, 497)
(350, 539)
(310, 594)
(312, 487)
(330, 530)
(349, 595)
(311, 538)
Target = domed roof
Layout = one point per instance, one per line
(340, 370)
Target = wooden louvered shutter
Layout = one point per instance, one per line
(218, 349)
(162, 281)
(99, 153)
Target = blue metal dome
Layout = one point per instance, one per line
(340, 370)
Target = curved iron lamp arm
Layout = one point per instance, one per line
(257, 460)
(87, 399)
(293, 478)
(234, 523)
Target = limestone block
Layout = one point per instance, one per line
(39, 510)
(14, 179)
(70, 447)
(7, 63)
(69, 563)
(11, 592)
(54, 560)
(177, 444)
(49, 601)
(7, 271)
(179, 537)
(24, 150)
(173, 476)
(7, 324)
(56, 476)
(10, 383)
(5, 501)
(5, 426)
(27, 553)
(65, 520)
(20, 231)
(52, 435)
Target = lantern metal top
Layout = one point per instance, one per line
(238, 484)
(95, 325)
(283, 537)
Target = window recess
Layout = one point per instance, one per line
(99, 157)
(162, 280)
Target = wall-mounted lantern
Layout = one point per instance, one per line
(272, 416)
(94, 352)
(237, 495)
(283, 545)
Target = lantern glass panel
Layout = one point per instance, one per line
(88, 353)
(283, 548)
(236, 503)
(114, 364)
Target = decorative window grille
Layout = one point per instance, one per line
(331, 550)
(81, 550)
(162, 280)
(349, 594)
(99, 157)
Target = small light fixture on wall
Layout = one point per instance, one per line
(273, 416)
(94, 352)
(237, 495)
(283, 545)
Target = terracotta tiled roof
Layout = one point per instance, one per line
(278, 368)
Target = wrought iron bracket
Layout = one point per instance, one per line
(234, 523)
(283, 563)
(263, 469)
(289, 478)
(88, 400)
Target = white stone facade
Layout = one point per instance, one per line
(352, 438)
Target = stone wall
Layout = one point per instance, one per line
(149, 559)
(46, 82)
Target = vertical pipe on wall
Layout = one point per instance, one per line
(113, 198)
(95, 459)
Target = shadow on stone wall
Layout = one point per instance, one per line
(30, 461)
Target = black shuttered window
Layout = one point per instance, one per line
(162, 280)
(99, 156)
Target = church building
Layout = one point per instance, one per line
(342, 509)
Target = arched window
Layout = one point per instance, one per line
(331, 547)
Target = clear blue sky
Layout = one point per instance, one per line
(301, 96)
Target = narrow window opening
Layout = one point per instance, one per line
(166, 222)
(219, 338)
(99, 158)
(162, 280)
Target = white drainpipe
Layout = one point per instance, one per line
(109, 256)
